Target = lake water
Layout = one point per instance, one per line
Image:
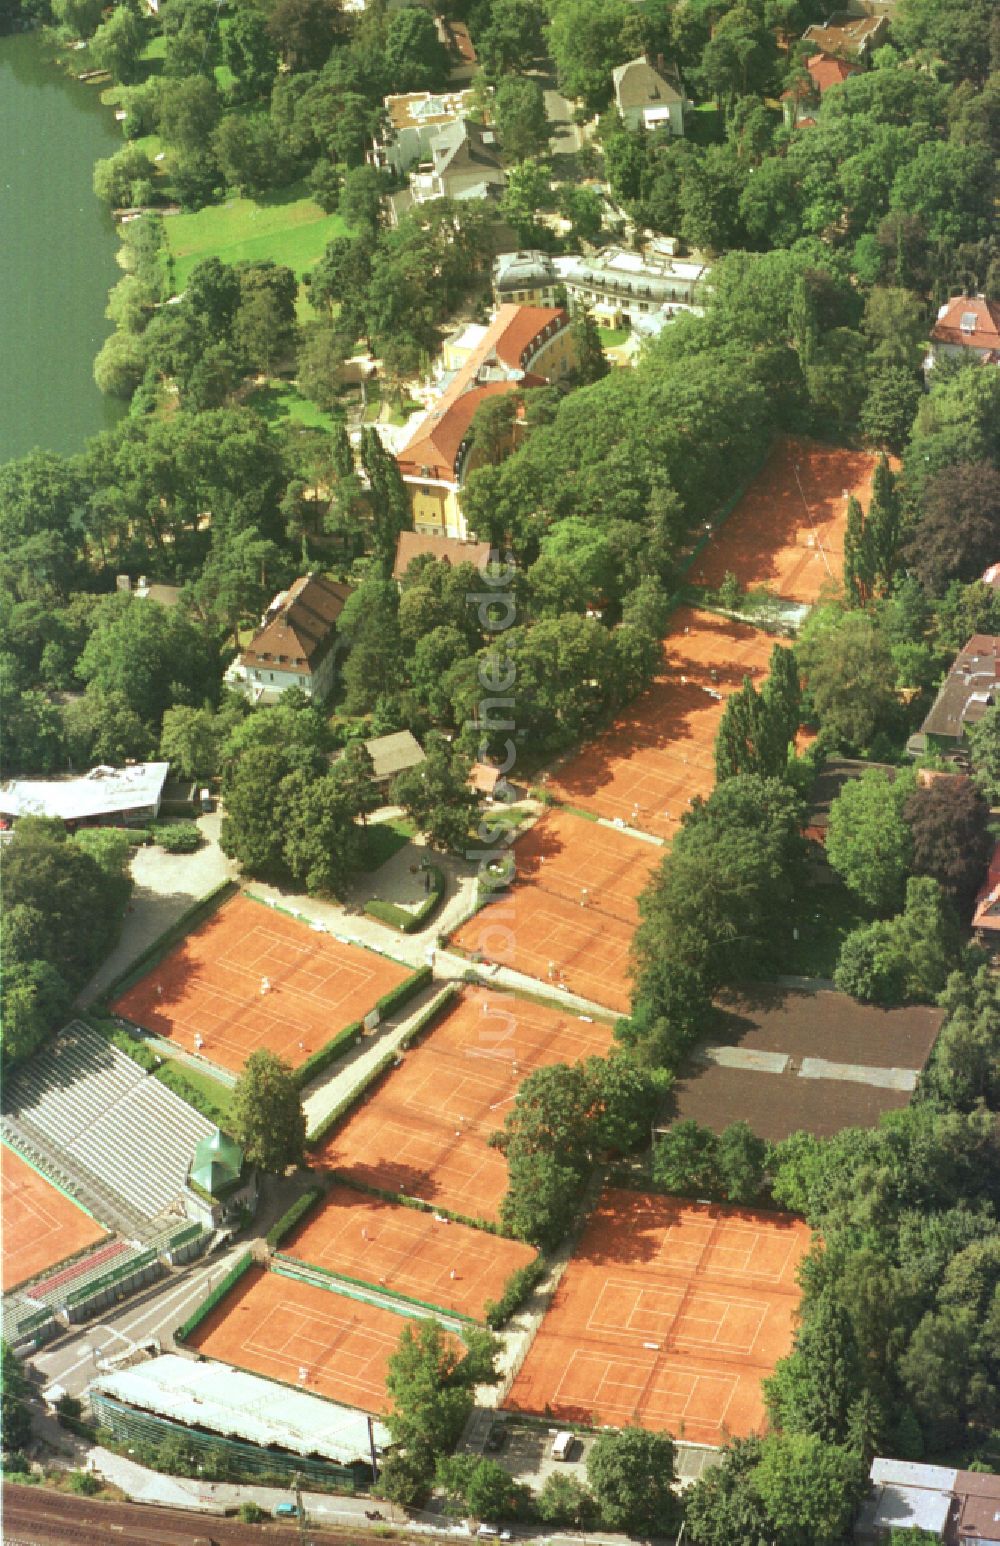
(57, 252)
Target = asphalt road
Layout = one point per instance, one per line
(73, 1361)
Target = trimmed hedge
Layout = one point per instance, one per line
(516, 1291)
(327, 1054)
(294, 1215)
(406, 990)
(342, 1107)
(178, 930)
(348, 1178)
(388, 912)
(423, 1020)
(210, 1301)
(400, 917)
(430, 1014)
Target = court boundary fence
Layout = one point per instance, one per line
(189, 919)
(419, 1204)
(214, 1297)
(284, 1258)
(378, 1298)
(423, 1022)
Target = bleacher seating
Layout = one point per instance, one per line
(109, 1129)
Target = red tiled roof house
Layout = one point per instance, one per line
(524, 346)
(295, 645)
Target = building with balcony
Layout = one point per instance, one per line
(524, 346)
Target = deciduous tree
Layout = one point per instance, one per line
(268, 1120)
(868, 841)
(630, 1473)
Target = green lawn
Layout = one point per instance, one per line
(281, 400)
(611, 337)
(206, 1094)
(285, 227)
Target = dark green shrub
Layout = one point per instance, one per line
(179, 837)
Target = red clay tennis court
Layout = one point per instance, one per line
(319, 1340)
(669, 1316)
(657, 757)
(787, 532)
(409, 1252)
(570, 918)
(423, 1131)
(41, 1226)
(251, 977)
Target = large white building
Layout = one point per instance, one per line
(103, 797)
(619, 288)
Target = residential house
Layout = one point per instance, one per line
(824, 71)
(295, 645)
(647, 97)
(524, 346)
(447, 550)
(849, 37)
(463, 163)
(410, 123)
(967, 325)
(986, 914)
(959, 1508)
(145, 590)
(104, 797)
(461, 50)
(970, 688)
(393, 754)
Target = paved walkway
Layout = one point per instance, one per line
(354, 1070)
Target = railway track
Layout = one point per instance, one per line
(36, 1516)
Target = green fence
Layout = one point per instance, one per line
(108, 1280)
(218, 1293)
(293, 1263)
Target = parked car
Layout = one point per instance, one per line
(287, 1511)
(497, 1436)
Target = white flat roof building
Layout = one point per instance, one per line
(244, 1406)
(97, 795)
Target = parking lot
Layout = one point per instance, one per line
(526, 1453)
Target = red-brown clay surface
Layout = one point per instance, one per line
(570, 917)
(669, 1316)
(657, 757)
(423, 1131)
(40, 1226)
(408, 1252)
(210, 987)
(787, 532)
(280, 1327)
